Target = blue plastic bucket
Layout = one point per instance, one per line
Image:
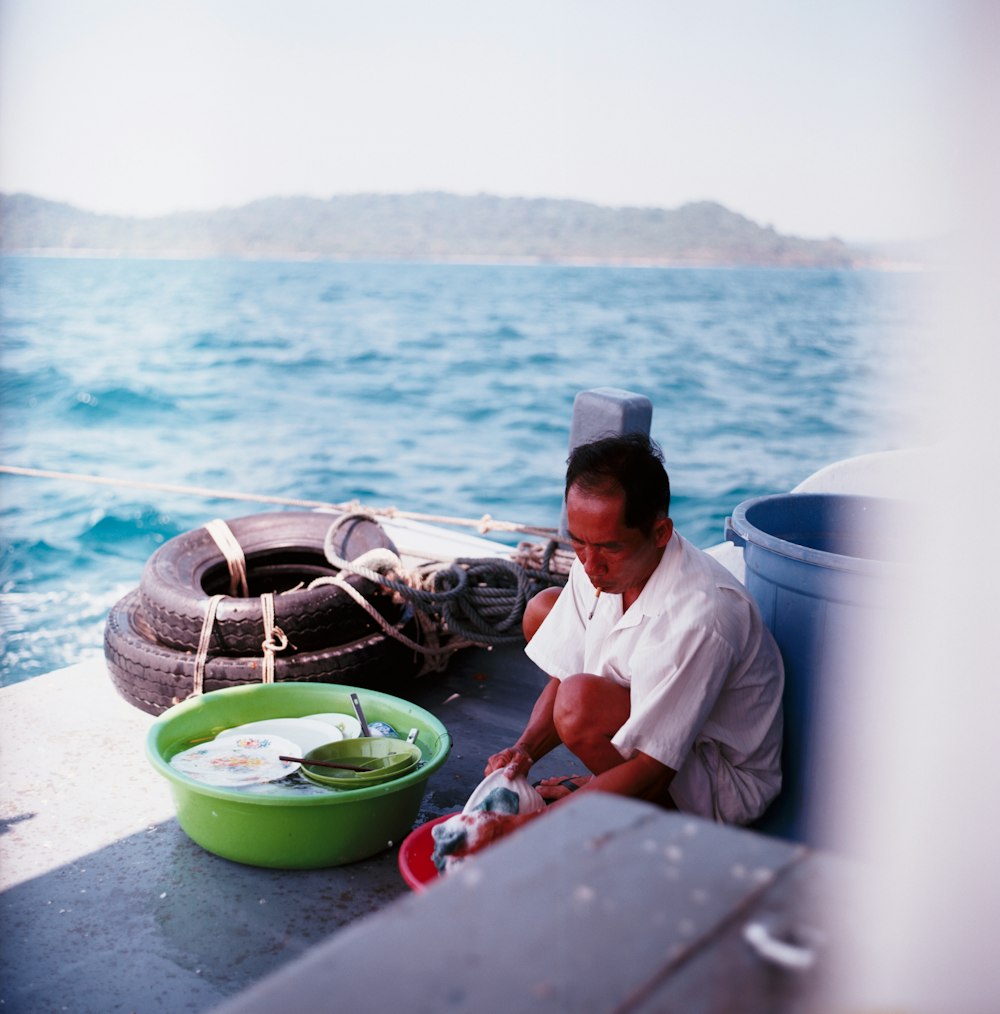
(820, 567)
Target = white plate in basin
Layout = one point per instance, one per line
(349, 726)
(238, 761)
(305, 732)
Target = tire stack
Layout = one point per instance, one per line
(151, 635)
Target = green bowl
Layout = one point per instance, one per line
(284, 828)
(386, 758)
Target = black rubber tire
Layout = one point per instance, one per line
(153, 676)
(282, 550)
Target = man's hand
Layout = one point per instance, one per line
(514, 759)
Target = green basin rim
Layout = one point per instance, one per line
(378, 707)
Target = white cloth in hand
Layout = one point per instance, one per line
(496, 793)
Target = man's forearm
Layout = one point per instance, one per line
(641, 777)
(540, 736)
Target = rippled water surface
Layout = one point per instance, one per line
(437, 388)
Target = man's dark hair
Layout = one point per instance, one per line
(632, 463)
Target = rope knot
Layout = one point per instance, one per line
(274, 637)
(278, 641)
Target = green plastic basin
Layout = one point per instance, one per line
(284, 828)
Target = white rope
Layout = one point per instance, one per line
(389, 628)
(483, 525)
(201, 657)
(372, 565)
(274, 637)
(233, 552)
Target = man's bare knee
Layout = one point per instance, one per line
(588, 707)
(587, 712)
(538, 607)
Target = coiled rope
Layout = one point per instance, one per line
(474, 601)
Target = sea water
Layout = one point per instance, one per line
(439, 388)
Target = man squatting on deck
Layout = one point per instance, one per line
(664, 680)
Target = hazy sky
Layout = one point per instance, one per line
(819, 118)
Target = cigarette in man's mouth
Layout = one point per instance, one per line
(593, 608)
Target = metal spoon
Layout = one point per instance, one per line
(361, 715)
(412, 736)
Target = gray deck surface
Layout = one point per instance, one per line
(607, 905)
(108, 906)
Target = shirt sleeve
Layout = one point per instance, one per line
(558, 645)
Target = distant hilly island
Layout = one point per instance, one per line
(424, 226)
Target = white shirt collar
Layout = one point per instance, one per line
(653, 598)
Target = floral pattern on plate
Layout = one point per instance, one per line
(239, 760)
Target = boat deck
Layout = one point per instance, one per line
(107, 905)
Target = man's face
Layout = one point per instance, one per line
(617, 559)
